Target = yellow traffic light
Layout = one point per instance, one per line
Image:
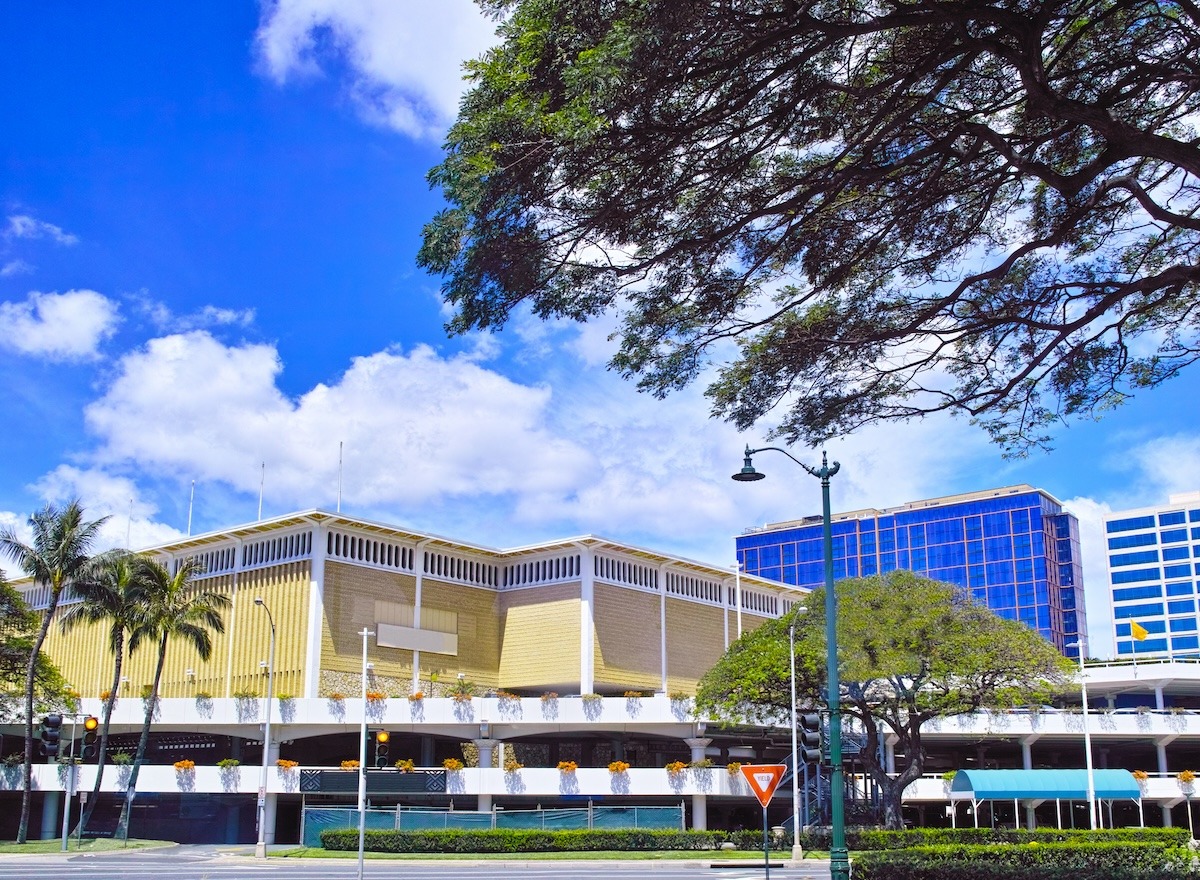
(91, 723)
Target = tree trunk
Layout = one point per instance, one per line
(30, 678)
(122, 831)
(105, 723)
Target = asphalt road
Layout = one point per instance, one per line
(217, 863)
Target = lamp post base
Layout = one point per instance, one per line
(839, 865)
(260, 850)
(797, 852)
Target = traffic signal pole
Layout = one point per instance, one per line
(70, 786)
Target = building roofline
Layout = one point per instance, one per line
(595, 542)
(922, 504)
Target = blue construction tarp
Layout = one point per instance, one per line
(1065, 785)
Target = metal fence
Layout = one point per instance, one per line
(317, 819)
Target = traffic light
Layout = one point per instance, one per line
(90, 733)
(382, 737)
(810, 738)
(51, 735)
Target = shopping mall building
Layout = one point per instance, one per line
(582, 650)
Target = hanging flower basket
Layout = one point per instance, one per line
(567, 766)
(618, 767)
(452, 764)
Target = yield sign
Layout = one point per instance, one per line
(763, 779)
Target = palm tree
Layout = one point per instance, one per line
(59, 557)
(111, 598)
(172, 607)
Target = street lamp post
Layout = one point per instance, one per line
(1087, 738)
(797, 850)
(839, 857)
(260, 849)
(362, 757)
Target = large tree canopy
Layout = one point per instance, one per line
(910, 650)
(895, 208)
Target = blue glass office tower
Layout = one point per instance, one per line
(1153, 563)
(1015, 549)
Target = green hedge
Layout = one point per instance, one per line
(518, 841)
(871, 839)
(1072, 860)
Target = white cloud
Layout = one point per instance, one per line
(417, 428)
(405, 56)
(59, 326)
(19, 524)
(131, 518)
(15, 267)
(161, 316)
(24, 226)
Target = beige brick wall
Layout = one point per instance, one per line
(233, 665)
(540, 640)
(695, 641)
(350, 595)
(628, 640)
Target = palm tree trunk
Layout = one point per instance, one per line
(30, 677)
(123, 823)
(102, 755)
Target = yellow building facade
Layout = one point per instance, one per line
(576, 616)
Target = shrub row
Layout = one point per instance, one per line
(858, 840)
(1106, 860)
(517, 841)
(872, 839)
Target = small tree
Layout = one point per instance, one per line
(172, 608)
(110, 598)
(910, 649)
(58, 558)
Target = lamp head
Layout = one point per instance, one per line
(748, 474)
(258, 600)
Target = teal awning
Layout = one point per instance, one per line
(1067, 785)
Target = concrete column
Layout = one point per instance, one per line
(662, 623)
(486, 749)
(1158, 697)
(699, 801)
(889, 754)
(316, 612)
(419, 578)
(51, 814)
(587, 629)
(272, 799)
(1160, 749)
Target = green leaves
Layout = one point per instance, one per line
(987, 193)
(910, 649)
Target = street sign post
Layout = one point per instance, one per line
(763, 779)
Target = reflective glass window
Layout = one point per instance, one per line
(1148, 609)
(1121, 542)
(1182, 588)
(995, 524)
(1177, 571)
(1182, 606)
(1129, 524)
(1174, 518)
(1135, 575)
(1127, 594)
(1142, 556)
(1172, 536)
(1174, 553)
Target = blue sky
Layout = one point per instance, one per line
(208, 221)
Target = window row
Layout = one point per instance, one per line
(542, 570)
